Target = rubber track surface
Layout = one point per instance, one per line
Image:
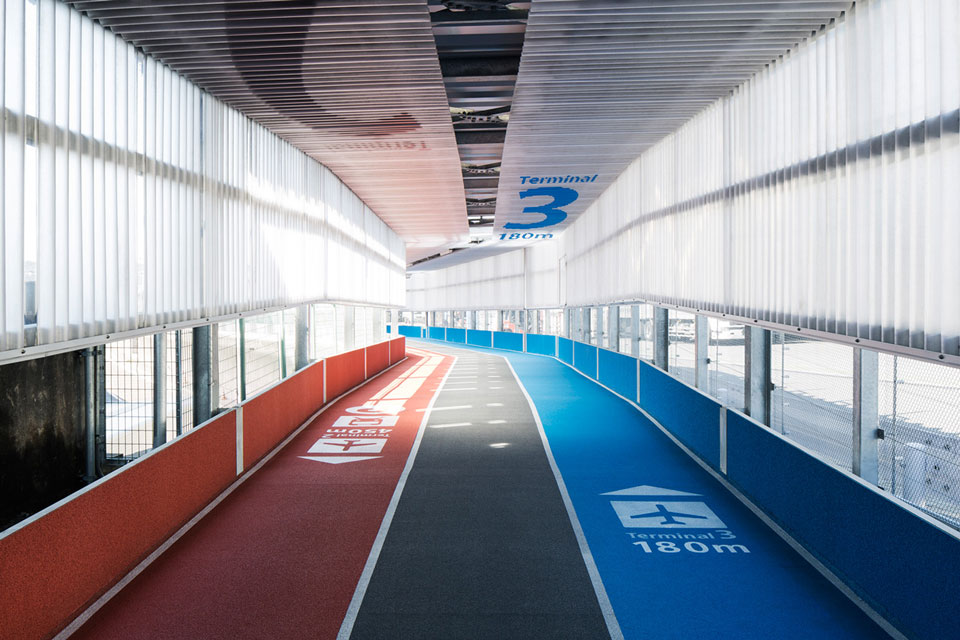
(280, 557)
(481, 545)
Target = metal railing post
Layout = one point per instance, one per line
(100, 355)
(178, 355)
(283, 347)
(202, 374)
(613, 327)
(866, 414)
(302, 353)
(90, 414)
(661, 338)
(159, 389)
(702, 348)
(758, 383)
(242, 348)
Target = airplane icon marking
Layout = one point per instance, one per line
(669, 517)
(666, 514)
(348, 445)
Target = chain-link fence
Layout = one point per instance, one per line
(682, 352)
(129, 399)
(645, 332)
(812, 400)
(125, 402)
(260, 336)
(226, 344)
(179, 386)
(919, 455)
(323, 331)
(625, 329)
(727, 366)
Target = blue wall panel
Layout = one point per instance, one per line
(457, 335)
(904, 566)
(479, 338)
(543, 345)
(410, 331)
(565, 350)
(505, 340)
(619, 372)
(437, 333)
(585, 359)
(686, 413)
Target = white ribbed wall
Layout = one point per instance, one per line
(491, 283)
(132, 199)
(824, 193)
(525, 278)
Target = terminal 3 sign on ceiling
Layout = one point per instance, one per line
(549, 213)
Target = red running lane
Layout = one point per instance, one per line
(281, 556)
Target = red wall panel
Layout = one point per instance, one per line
(271, 416)
(55, 566)
(344, 371)
(398, 349)
(378, 358)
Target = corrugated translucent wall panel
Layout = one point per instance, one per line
(132, 199)
(542, 268)
(496, 282)
(823, 193)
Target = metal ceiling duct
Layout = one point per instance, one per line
(479, 44)
(600, 81)
(354, 84)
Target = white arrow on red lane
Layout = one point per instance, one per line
(339, 459)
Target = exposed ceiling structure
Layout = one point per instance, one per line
(429, 112)
(479, 44)
(602, 80)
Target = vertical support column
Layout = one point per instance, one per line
(701, 328)
(159, 389)
(214, 370)
(302, 353)
(202, 374)
(635, 331)
(178, 392)
(866, 414)
(661, 337)
(758, 382)
(613, 327)
(349, 328)
(90, 413)
(100, 354)
(282, 351)
(242, 348)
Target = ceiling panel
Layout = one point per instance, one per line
(600, 81)
(356, 85)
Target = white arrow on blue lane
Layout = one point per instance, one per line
(646, 490)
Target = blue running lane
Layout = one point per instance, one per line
(679, 556)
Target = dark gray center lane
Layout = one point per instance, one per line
(480, 545)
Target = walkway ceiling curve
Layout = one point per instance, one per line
(354, 84)
(359, 86)
(601, 81)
